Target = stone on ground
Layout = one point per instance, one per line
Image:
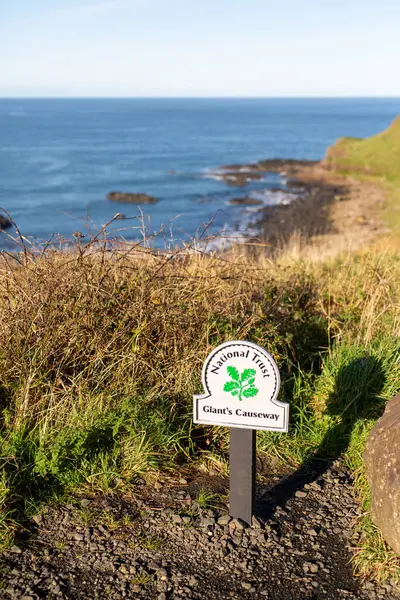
(382, 462)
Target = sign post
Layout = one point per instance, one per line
(242, 460)
(241, 383)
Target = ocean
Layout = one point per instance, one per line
(59, 158)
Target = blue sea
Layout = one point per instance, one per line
(60, 157)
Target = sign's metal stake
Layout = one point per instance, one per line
(242, 455)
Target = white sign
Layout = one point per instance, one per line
(242, 382)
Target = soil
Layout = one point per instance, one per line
(158, 543)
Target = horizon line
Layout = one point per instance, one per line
(128, 97)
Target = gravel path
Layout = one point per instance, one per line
(159, 545)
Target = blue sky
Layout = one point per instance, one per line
(199, 48)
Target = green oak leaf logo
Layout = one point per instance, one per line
(241, 385)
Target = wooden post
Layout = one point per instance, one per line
(242, 455)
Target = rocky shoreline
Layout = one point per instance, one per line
(310, 191)
(308, 188)
(319, 209)
(308, 213)
(241, 174)
(306, 194)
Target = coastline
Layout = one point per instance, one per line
(326, 210)
(316, 208)
(61, 188)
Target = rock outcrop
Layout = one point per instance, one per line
(4, 222)
(241, 175)
(382, 462)
(246, 201)
(133, 198)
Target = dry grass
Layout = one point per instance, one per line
(110, 322)
(102, 348)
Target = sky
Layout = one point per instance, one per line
(211, 48)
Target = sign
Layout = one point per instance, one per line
(241, 381)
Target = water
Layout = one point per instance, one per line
(59, 158)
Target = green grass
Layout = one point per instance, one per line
(141, 579)
(207, 499)
(332, 414)
(378, 155)
(101, 355)
(151, 543)
(376, 158)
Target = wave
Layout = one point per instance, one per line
(216, 174)
(45, 163)
(269, 198)
(54, 165)
(17, 113)
(223, 240)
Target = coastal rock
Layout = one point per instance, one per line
(133, 198)
(240, 168)
(382, 463)
(241, 175)
(285, 166)
(4, 222)
(246, 201)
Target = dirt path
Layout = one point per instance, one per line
(158, 544)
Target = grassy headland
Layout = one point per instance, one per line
(376, 158)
